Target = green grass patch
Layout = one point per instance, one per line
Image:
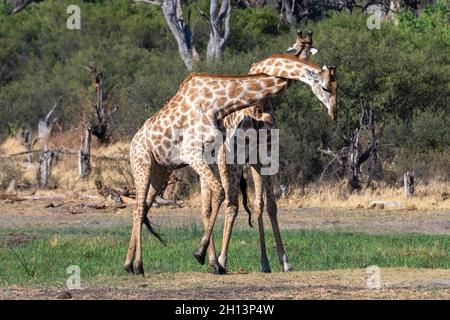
(41, 256)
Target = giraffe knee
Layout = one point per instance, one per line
(232, 212)
(220, 195)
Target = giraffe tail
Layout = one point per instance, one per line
(243, 187)
(153, 231)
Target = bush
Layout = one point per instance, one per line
(402, 72)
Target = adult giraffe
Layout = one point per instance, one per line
(257, 117)
(179, 133)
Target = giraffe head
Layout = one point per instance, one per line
(302, 47)
(321, 80)
(325, 88)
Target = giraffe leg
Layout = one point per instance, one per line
(272, 210)
(218, 195)
(149, 179)
(206, 214)
(141, 174)
(230, 177)
(265, 265)
(259, 182)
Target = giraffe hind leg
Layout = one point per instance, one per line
(149, 180)
(259, 182)
(272, 211)
(141, 175)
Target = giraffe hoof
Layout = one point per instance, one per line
(139, 269)
(220, 270)
(288, 268)
(129, 268)
(200, 257)
(266, 269)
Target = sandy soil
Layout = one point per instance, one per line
(334, 284)
(375, 221)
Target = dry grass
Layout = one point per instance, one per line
(113, 171)
(116, 172)
(428, 196)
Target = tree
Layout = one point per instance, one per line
(102, 107)
(219, 21)
(173, 13)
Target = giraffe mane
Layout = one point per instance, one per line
(293, 58)
(225, 76)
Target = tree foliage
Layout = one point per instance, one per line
(401, 71)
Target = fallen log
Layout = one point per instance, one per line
(15, 197)
(381, 204)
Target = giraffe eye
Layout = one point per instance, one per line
(325, 89)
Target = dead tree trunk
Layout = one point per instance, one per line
(408, 180)
(103, 107)
(219, 22)
(25, 137)
(357, 157)
(287, 8)
(46, 160)
(173, 14)
(353, 162)
(375, 169)
(22, 4)
(84, 160)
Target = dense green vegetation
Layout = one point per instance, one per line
(99, 252)
(402, 71)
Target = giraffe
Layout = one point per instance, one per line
(261, 117)
(177, 135)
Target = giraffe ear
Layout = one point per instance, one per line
(333, 72)
(299, 34)
(313, 51)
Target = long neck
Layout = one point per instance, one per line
(245, 93)
(287, 67)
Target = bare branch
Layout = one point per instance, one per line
(21, 5)
(203, 14)
(155, 2)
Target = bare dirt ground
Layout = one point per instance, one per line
(334, 284)
(373, 221)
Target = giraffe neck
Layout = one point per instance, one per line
(223, 95)
(288, 67)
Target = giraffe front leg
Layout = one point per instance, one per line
(206, 194)
(205, 172)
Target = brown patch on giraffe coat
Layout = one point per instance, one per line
(184, 108)
(221, 101)
(234, 91)
(207, 93)
(254, 86)
(166, 143)
(220, 92)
